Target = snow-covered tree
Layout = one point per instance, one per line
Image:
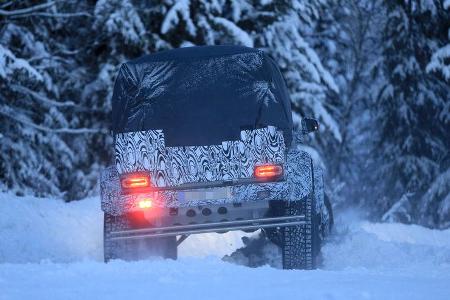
(347, 39)
(412, 112)
(42, 124)
(434, 207)
(440, 60)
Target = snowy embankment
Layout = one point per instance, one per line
(53, 250)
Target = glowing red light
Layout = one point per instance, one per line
(145, 203)
(268, 171)
(137, 180)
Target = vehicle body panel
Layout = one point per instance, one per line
(173, 166)
(296, 184)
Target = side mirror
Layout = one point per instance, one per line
(309, 125)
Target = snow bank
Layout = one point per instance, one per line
(387, 246)
(35, 229)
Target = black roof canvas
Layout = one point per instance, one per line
(201, 95)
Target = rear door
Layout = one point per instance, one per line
(172, 166)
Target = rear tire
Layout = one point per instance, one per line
(329, 208)
(301, 244)
(165, 247)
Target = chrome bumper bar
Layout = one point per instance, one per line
(208, 227)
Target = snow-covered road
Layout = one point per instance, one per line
(53, 250)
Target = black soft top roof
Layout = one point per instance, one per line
(201, 95)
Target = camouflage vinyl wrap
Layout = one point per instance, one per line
(172, 166)
(319, 195)
(297, 185)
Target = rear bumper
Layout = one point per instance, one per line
(210, 218)
(251, 224)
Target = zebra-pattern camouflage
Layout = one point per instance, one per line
(170, 166)
(298, 185)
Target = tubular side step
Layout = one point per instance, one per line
(208, 227)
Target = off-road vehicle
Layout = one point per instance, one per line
(204, 142)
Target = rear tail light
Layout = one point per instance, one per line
(135, 181)
(268, 171)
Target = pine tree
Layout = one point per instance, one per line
(347, 39)
(40, 114)
(434, 207)
(411, 109)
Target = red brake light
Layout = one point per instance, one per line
(145, 203)
(268, 171)
(135, 180)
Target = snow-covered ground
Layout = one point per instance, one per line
(53, 250)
